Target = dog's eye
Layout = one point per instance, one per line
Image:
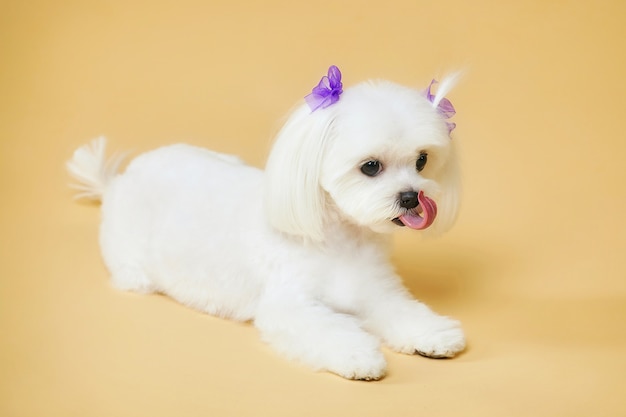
(421, 161)
(371, 168)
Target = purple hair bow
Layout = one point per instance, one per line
(445, 108)
(327, 91)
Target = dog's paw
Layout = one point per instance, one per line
(131, 279)
(354, 355)
(361, 365)
(432, 335)
(443, 339)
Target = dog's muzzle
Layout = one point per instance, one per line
(421, 210)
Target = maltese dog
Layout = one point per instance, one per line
(302, 248)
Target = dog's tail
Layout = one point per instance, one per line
(92, 170)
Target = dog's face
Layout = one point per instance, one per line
(381, 158)
(383, 165)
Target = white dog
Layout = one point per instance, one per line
(301, 250)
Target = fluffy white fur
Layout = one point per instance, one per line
(302, 249)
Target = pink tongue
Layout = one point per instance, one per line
(429, 211)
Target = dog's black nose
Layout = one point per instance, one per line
(408, 199)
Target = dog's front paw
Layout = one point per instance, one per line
(427, 334)
(353, 355)
(443, 338)
(361, 365)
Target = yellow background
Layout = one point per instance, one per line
(535, 267)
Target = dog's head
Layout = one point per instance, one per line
(380, 157)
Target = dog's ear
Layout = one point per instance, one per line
(449, 194)
(294, 201)
(450, 178)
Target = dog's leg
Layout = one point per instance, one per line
(311, 333)
(128, 278)
(408, 326)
